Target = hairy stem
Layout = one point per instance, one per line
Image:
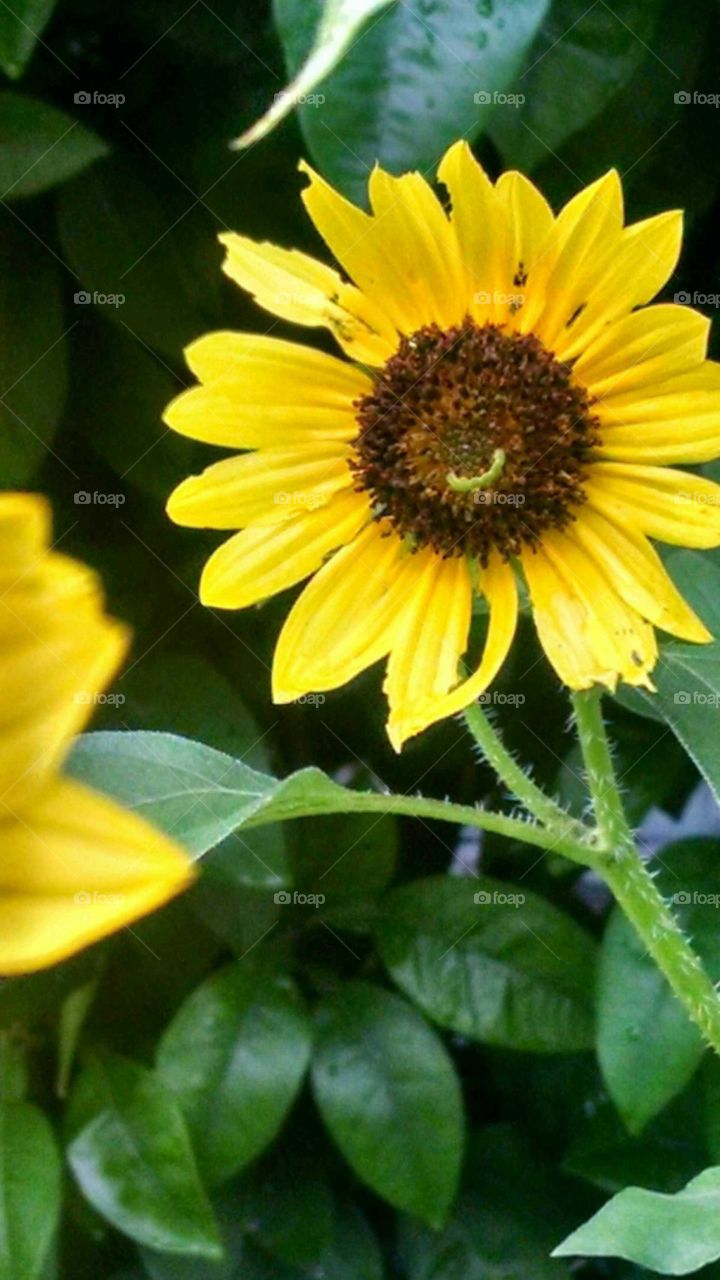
(618, 862)
(540, 805)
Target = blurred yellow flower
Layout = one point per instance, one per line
(74, 865)
(506, 411)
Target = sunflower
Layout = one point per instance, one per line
(74, 865)
(505, 415)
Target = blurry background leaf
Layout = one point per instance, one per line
(425, 73)
(151, 271)
(20, 28)
(340, 21)
(41, 146)
(583, 53)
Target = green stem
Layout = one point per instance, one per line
(424, 807)
(540, 805)
(618, 862)
(613, 828)
(634, 889)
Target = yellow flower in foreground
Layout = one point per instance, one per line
(74, 865)
(505, 410)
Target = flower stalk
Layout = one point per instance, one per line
(609, 849)
(618, 862)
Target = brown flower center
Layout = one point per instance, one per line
(474, 438)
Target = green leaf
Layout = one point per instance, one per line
(133, 1160)
(339, 23)
(187, 693)
(157, 278)
(673, 1235)
(20, 28)
(647, 1046)
(33, 374)
(41, 146)
(29, 1190)
(426, 73)
(580, 53)
(200, 796)
(492, 961)
(688, 675)
(194, 792)
(234, 1057)
(388, 1093)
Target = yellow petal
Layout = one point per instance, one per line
(479, 229)
(673, 506)
(637, 571)
(259, 562)
(677, 421)
(561, 619)
(298, 288)
(271, 370)
(358, 241)
(418, 242)
(76, 867)
(640, 264)
(643, 349)
(260, 488)
(498, 585)
(429, 641)
(583, 239)
(527, 219)
(59, 651)
(620, 641)
(345, 618)
(263, 391)
(25, 523)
